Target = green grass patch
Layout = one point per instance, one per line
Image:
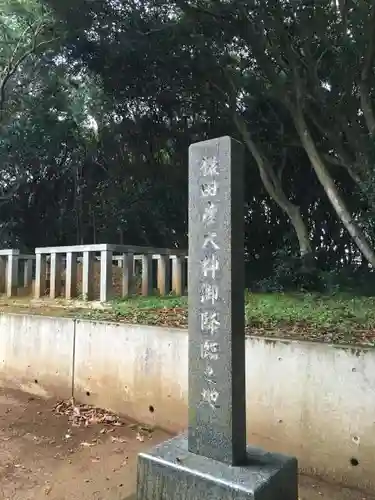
(340, 319)
(324, 311)
(272, 309)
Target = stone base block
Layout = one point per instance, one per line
(170, 472)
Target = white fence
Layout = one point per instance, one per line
(59, 261)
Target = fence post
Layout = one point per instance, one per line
(27, 272)
(2, 273)
(147, 275)
(106, 289)
(127, 274)
(12, 273)
(178, 279)
(40, 275)
(55, 276)
(164, 274)
(71, 275)
(87, 276)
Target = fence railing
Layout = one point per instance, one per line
(52, 263)
(11, 262)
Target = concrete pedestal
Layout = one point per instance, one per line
(171, 472)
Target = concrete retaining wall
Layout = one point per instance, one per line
(311, 400)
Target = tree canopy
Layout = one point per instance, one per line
(104, 99)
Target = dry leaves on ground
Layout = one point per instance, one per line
(177, 317)
(85, 415)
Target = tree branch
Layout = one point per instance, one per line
(14, 64)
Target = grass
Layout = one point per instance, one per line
(273, 309)
(321, 311)
(337, 318)
(329, 318)
(326, 318)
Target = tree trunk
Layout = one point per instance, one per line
(329, 185)
(273, 185)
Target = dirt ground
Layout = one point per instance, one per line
(43, 456)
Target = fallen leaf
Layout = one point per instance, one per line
(85, 414)
(76, 411)
(87, 445)
(118, 440)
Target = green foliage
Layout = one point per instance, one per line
(96, 123)
(291, 273)
(337, 318)
(276, 309)
(319, 311)
(27, 32)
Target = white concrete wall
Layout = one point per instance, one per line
(137, 370)
(314, 401)
(36, 354)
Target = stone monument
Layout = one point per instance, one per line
(212, 461)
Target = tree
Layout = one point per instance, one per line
(293, 56)
(27, 31)
(26, 34)
(99, 141)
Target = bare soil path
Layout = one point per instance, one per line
(43, 456)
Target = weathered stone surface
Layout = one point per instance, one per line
(127, 281)
(70, 275)
(55, 276)
(106, 275)
(12, 275)
(147, 275)
(40, 276)
(2, 273)
(170, 471)
(27, 272)
(87, 276)
(178, 274)
(212, 462)
(163, 274)
(216, 303)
